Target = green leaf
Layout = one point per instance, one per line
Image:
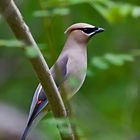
(118, 59)
(100, 63)
(62, 123)
(76, 1)
(136, 11)
(11, 43)
(52, 3)
(41, 13)
(113, 11)
(53, 12)
(125, 9)
(89, 72)
(31, 52)
(61, 11)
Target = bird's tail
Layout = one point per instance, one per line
(38, 109)
(31, 125)
(25, 133)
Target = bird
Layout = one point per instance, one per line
(72, 64)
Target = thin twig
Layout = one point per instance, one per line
(14, 19)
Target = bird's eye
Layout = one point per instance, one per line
(89, 30)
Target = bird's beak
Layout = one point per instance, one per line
(35, 112)
(99, 30)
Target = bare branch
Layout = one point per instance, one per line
(14, 18)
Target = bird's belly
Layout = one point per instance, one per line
(75, 79)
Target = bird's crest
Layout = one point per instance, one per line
(78, 26)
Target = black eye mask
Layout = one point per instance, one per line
(89, 30)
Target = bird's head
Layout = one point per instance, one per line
(82, 32)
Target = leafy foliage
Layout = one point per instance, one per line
(11, 43)
(107, 106)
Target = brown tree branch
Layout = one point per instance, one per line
(14, 19)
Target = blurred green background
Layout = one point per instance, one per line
(107, 107)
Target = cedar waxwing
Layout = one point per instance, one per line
(72, 63)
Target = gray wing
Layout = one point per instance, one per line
(59, 71)
(38, 91)
(62, 64)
